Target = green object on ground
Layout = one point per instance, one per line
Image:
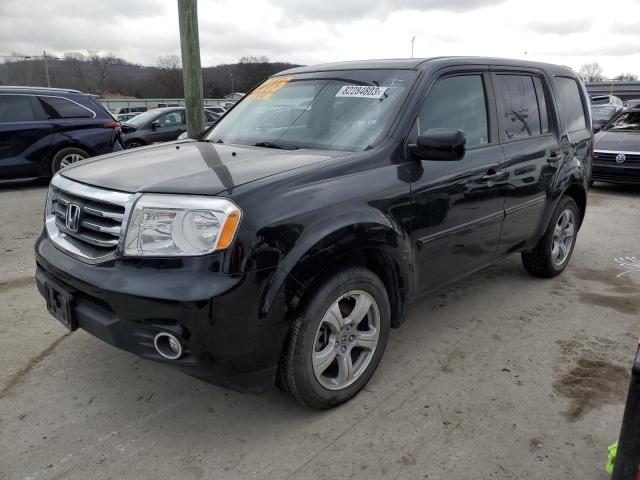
(613, 449)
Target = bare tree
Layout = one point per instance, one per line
(169, 75)
(76, 62)
(103, 64)
(591, 72)
(253, 70)
(627, 77)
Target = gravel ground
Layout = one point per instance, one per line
(499, 376)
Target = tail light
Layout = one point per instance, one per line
(114, 125)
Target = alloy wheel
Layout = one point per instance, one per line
(563, 236)
(70, 159)
(346, 340)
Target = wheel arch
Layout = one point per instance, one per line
(578, 193)
(380, 249)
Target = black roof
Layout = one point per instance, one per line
(425, 63)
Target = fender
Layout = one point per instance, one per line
(321, 249)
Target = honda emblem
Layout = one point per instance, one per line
(72, 220)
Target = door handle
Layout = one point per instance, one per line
(492, 175)
(554, 157)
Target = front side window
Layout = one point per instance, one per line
(570, 104)
(341, 110)
(518, 107)
(58, 107)
(15, 108)
(457, 103)
(627, 121)
(171, 119)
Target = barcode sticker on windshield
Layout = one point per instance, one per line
(361, 91)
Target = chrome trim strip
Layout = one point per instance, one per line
(616, 152)
(527, 204)
(460, 228)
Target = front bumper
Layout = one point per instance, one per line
(615, 173)
(228, 338)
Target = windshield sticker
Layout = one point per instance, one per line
(268, 88)
(361, 91)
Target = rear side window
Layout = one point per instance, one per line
(519, 108)
(59, 107)
(16, 108)
(542, 104)
(457, 103)
(570, 104)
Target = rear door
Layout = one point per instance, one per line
(530, 141)
(25, 136)
(458, 204)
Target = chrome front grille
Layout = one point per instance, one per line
(631, 158)
(87, 222)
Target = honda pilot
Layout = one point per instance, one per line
(283, 244)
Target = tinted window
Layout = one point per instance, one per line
(542, 104)
(58, 107)
(570, 104)
(211, 117)
(171, 119)
(629, 121)
(518, 106)
(15, 108)
(457, 103)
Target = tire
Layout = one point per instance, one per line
(134, 144)
(552, 253)
(316, 335)
(66, 157)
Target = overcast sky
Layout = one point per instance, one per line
(569, 32)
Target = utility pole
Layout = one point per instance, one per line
(46, 68)
(231, 75)
(412, 40)
(191, 68)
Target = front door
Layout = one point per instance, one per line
(458, 204)
(172, 124)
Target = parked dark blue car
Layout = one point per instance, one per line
(45, 129)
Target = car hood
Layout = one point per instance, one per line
(617, 141)
(190, 167)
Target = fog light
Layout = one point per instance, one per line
(168, 346)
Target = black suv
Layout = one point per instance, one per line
(45, 129)
(285, 242)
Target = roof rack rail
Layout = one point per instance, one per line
(50, 89)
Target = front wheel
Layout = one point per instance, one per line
(552, 253)
(335, 346)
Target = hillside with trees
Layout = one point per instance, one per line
(109, 76)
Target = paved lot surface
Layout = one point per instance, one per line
(500, 376)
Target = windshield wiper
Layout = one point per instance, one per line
(275, 145)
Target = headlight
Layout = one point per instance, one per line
(174, 225)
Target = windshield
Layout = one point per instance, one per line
(142, 118)
(602, 112)
(627, 121)
(342, 110)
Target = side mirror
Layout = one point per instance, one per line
(155, 125)
(439, 144)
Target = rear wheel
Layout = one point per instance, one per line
(335, 346)
(552, 253)
(66, 157)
